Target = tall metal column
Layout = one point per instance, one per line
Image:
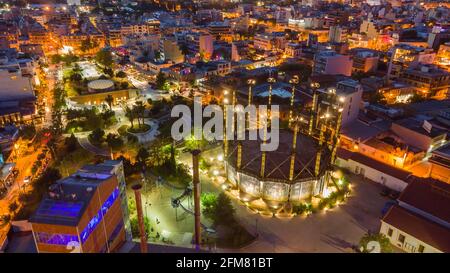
(143, 235)
(197, 192)
(292, 81)
(313, 116)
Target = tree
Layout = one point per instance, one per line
(160, 81)
(129, 113)
(209, 204)
(128, 167)
(109, 100)
(97, 135)
(224, 213)
(115, 142)
(55, 59)
(135, 226)
(69, 59)
(142, 156)
(218, 208)
(76, 78)
(71, 143)
(121, 74)
(375, 243)
(139, 109)
(108, 71)
(86, 45)
(104, 57)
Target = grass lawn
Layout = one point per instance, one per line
(139, 129)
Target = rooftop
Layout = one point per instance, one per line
(68, 199)
(361, 131)
(415, 225)
(416, 126)
(375, 164)
(278, 161)
(430, 196)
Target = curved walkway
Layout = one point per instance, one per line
(88, 146)
(151, 134)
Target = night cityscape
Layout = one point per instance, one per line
(216, 127)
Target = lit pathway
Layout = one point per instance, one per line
(84, 142)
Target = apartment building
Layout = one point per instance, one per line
(428, 80)
(332, 63)
(364, 60)
(81, 213)
(403, 55)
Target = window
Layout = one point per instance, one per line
(421, 248)
(99, 216)
(389, 233)
(54, 238)
(401, 238)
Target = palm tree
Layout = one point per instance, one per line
(109, 100)
(129, 113)
(139, 109)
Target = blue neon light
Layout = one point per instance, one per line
(55, 239)
(99, 216)
(64, 239)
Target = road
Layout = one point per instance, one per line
(25, 156)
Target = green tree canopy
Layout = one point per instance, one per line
(160, 81)
(375, 243)
(97, 135)
(104, 57)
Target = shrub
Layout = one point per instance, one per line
(135, 226)
(367, 245)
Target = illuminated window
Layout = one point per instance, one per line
(54, 239)
(93, 223)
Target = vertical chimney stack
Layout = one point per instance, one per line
(137, 193)
(196, 182)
